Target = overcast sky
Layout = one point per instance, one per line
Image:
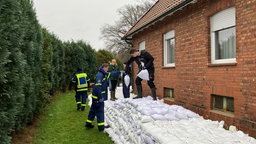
(78, 19)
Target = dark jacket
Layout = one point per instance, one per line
(144, 57)
(111, 69)
(100, 88)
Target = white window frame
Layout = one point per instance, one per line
(142, 45)
(167, 36)
(221, 20)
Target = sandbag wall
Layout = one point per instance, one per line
(144, 121)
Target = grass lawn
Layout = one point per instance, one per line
(63, 124)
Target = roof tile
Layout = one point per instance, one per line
(158, 9)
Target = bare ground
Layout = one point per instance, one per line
(26, 135)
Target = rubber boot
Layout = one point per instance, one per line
(139, 89)
(114, 93)
(78, 107)
(112, 97)
(153, 91)
(89, 125)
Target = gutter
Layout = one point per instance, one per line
(128, 41)
(170, 12)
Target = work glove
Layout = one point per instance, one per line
(142, 67)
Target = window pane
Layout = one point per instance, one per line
(170, 51)
(223, 103)
(218, 102)
(168, 93)
(225, 43)
(142, 46)
(230, 104)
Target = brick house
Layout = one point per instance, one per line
(205, 56)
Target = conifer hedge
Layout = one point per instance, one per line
(104, 56)
(34, 64)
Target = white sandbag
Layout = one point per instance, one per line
(127, 80)
(147, 139)
(146, 119)
(191, 114)
(180, 116)
(170, 117)
(158, 117)
(160, 110)
(232, 128)
(143, 74)
(174, 107)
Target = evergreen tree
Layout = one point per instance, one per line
(34, 64)
(12, 66)
(104, 56)
(32, 49)
(89, 59)
(54, 78)
(44, 93)
(69, 72)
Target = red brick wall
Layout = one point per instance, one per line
(194, 78)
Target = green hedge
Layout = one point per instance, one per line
(104, 56)
(34, 64)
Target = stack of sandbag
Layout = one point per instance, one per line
(144, 121)
(126, 117)
(194, 131)
(160, 111)
(122, 119)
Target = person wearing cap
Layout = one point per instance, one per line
(144, 61)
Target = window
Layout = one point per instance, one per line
(168, 93)
(169, 49)
(223, 103)
(142, 45)
(223, 37)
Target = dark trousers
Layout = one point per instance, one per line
(126, 90)
(113, 85)
(97, 109)
(105, 95)
(81, 97)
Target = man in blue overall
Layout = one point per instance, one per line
(99, 95)
(81, 88)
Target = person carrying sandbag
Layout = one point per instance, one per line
(145, 64)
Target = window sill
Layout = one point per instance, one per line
(168, 67)
(228, 114)
(169, 99)
(222, 64)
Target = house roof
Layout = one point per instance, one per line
(158, 11)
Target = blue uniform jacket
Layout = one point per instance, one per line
(100, 88)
